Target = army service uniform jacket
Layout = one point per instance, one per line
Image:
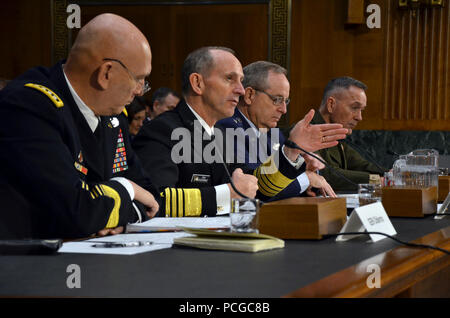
(187, 186)
(346, 161)
(55, 174)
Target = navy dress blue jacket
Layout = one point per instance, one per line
(239, 121)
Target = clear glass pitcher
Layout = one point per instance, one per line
(419, 169)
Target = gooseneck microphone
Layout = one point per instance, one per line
(366, 153)
(390, 152)
(291, 144)
(213, 139)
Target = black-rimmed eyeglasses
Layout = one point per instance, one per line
(277, 100)
(145, 86)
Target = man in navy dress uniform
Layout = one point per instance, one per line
(193, 185)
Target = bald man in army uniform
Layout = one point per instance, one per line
(67, 169)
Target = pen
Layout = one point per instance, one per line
(122, 244)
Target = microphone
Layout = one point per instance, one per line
(213, 139)
(291, 144)
(366, 153)
(390, 152)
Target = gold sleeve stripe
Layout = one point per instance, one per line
(100, 192)
(85, 186)
(173, 193)
(269, 184)
(97, 192)
(180, 202)
(48, 92)
(262, 186)
(113, 220)
(279, 179)
(270, 180)
(193, 202)
(167, 196)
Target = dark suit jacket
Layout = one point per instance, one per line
(187, 186)
(55, 173)
(243, 145)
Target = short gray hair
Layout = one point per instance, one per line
(256, 73)
(339, 83)
(199, 61)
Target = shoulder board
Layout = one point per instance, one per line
(125, 112)
(50, 94)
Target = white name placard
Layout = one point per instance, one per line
(368, 218)
(444, 208)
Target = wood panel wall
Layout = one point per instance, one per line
(174, 31)
(25, 36)
(417, 82)
(405, 63)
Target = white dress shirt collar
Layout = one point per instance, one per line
(88, 114)
(255, 129)
(209, 130)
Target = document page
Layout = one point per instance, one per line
(172, 224)
(150, 242)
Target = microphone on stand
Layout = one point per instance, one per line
(213, 139)
(390, 152)
(366, 153)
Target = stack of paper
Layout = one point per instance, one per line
(174, 224)
(158, 241)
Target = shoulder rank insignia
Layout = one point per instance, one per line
(50, 94)
(237, 120)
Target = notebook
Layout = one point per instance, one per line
(225, 240)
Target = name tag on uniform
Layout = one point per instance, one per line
(200, 178)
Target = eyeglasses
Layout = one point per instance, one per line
(277, 100)
(145, 87)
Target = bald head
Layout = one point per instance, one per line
(108, 36)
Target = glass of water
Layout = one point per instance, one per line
(369, 193)
(244, 215)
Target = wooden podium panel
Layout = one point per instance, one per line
(405, 272)
(409, 202)
(302, 218)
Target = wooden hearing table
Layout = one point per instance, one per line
(304, 268)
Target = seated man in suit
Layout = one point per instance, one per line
(163, 99)
(66, 166)
(181, 155)
(260, 108)
(344, 99)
